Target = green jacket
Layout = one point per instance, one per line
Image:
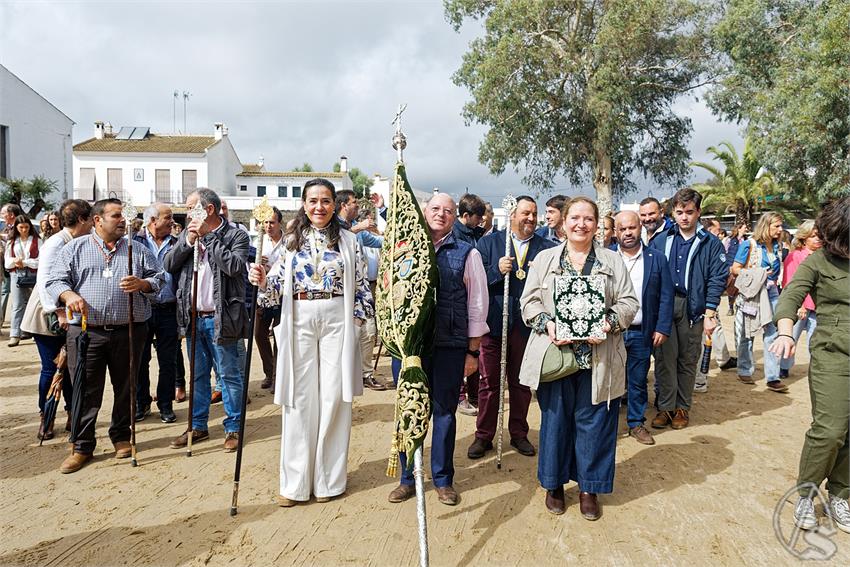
(827, 278)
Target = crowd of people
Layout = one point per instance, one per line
(664, 271)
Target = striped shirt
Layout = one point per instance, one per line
(80, 267)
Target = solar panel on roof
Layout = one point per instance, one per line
(140, 132)
(125, 133)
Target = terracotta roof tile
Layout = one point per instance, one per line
(153, 143)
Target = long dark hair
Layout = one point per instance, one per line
(296, 233)
(832, 224)
(22, 219)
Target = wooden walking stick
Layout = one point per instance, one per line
(197, 212)
(262, 212)
(129, 216)
(509, 204)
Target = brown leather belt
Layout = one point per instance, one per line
(310, 295)
(206, 314)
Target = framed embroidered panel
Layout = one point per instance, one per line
(579, 307)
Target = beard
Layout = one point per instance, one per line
(651, 226)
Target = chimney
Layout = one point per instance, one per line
(261, 162)
(220, 130)
(343, 164)
(107, 128)
(98, 130)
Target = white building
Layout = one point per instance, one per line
(35, 136)
(150, 167)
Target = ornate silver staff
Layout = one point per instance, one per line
(509, 204)
(130, 213)
(198, 212)
(262, 212)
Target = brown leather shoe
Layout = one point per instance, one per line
(122, 449)
(777, 386)
(401, 493)
(746, 379)
(555, 501)
(74, 462)
(589, 506)
(231, 441)
(478, 448)
(215, 398)
(267, 382)
(680, 420)
(183, 440)
(662, 420)
(642, 435)
(179, 395)
(45, 430)
(447, 495)
(323, 499)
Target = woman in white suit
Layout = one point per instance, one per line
(578, 430)
(320, 284)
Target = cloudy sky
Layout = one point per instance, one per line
(294, 81)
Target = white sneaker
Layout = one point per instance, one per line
(701, 388)
(839, 511)
(466, 408)
(804, 514)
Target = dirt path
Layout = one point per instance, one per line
(704, 495)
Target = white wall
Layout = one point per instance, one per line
(224, 166)
(142, 192)
(39, 135)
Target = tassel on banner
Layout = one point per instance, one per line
(392, 465)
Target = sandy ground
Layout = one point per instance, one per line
(704, 495)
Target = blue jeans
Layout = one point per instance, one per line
(637, 369)
(809, 324)
(225, 357)
(578, 440)
(243, 354)
(746, 364)
(445, 376)
(48, 348)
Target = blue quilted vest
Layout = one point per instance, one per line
(452, 317)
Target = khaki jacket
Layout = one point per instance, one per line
(609, 357)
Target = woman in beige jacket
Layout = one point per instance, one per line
(578, 430)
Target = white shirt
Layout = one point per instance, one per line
(206, 278)
(634, 266)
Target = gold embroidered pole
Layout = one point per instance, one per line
(405, 301)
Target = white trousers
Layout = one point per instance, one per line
(317, 429)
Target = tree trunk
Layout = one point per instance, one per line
(603, 186)
(742, 215)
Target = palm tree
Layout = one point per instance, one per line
(740, 187)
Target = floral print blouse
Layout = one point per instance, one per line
(583, 351)
(313, 257)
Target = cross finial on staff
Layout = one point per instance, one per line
(399, 140)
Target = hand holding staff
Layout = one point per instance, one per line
(262, 213)
(509, 204)
(198, 213)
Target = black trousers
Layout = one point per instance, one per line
(162, 326)
(108, 350)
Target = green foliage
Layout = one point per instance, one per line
(786, 73)
(583, 88)
(305, 167)
(28, 193)
(739, 187)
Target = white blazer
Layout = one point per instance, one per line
(352, 372)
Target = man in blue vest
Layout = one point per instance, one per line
(652, 324)
(461, 321)
(525, 245)
(162, 326)
(697, 264)
(470, 213)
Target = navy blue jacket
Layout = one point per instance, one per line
(656, 301)
(705, 270)
(463, 233)
(492, 247)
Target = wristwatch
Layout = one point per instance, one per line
(473, 353)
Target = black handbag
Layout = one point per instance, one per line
(25, 278)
